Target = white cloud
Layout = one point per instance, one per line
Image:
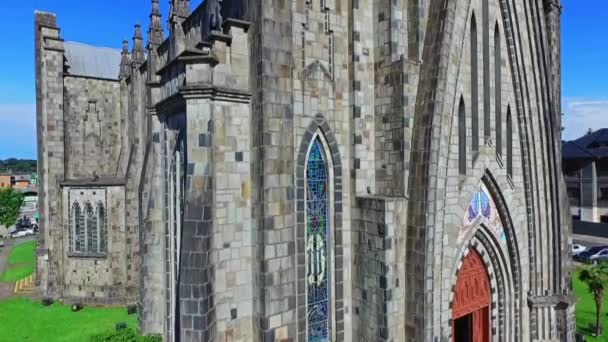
(581, 114)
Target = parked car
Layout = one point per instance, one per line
(22, 233)
(593, 255)
(577, 249)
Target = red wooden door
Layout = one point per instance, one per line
(472, 297)
(481, 325)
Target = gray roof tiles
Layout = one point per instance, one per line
(92, 61)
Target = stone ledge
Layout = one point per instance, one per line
(78, 255)
(220, 37)
(232, 22)
(555, 300)
(94, 182)
(189, 56)
(205, 90)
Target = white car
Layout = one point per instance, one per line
(577, 249)
(22, 233)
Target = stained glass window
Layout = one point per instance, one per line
(89, 231)
(101, 227)
(78, 230)
(91, 228)
(482, 209)
(317, 232)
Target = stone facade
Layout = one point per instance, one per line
(423, 109)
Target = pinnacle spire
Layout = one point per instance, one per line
(125, 61)
(155, 31)
(137, 55)
(180, 10)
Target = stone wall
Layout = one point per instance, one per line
(93, 123)
(50, 125)
(218, 125)
(96, 279)
(80, 123)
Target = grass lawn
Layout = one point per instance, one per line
(21, 262)
(25, 320)
(585, 311)
(16, 273)
(23, 253)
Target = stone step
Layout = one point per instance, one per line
(26, 285)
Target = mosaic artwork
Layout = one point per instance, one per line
(482, 210)
(317, 275)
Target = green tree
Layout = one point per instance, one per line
(596, 278)
(10, 205)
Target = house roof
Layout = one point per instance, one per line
(92, 61)
(22, 177)
(590, 146)
(579, 153)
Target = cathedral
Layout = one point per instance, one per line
(311, 171)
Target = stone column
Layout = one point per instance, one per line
(49, 109)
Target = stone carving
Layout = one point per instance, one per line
(215, 23)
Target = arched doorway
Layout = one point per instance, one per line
(472, 298)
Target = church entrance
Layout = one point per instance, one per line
(471, 306)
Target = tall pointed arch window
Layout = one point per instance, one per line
(509, 142)
(474, 89)
(88, 230)
(101, 228)
(77, 222)
(91, 227)
(462, 138)
(498, 90)
(317, 244)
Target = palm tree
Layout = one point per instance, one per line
(596, 278)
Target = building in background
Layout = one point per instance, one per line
(6, 181)
(17, 181)
(328, 170)
(585, 166)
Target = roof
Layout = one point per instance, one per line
(92, 61)
(593, 145)
(22, 177)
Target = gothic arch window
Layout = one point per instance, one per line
(317, 241)
(101, 228)
(474, 89)
(498, 90)
(88, 229)
(77, 222)
(509, 142)
(462, 138)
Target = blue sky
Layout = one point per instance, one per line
(108, 22)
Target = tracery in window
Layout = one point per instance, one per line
(101, 228)
(88, 229)
(317, 241)
(77, 223)
(91, 228)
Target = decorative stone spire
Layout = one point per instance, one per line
(138, 56)
(125, 62)
(180, 10)
(155, 32)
